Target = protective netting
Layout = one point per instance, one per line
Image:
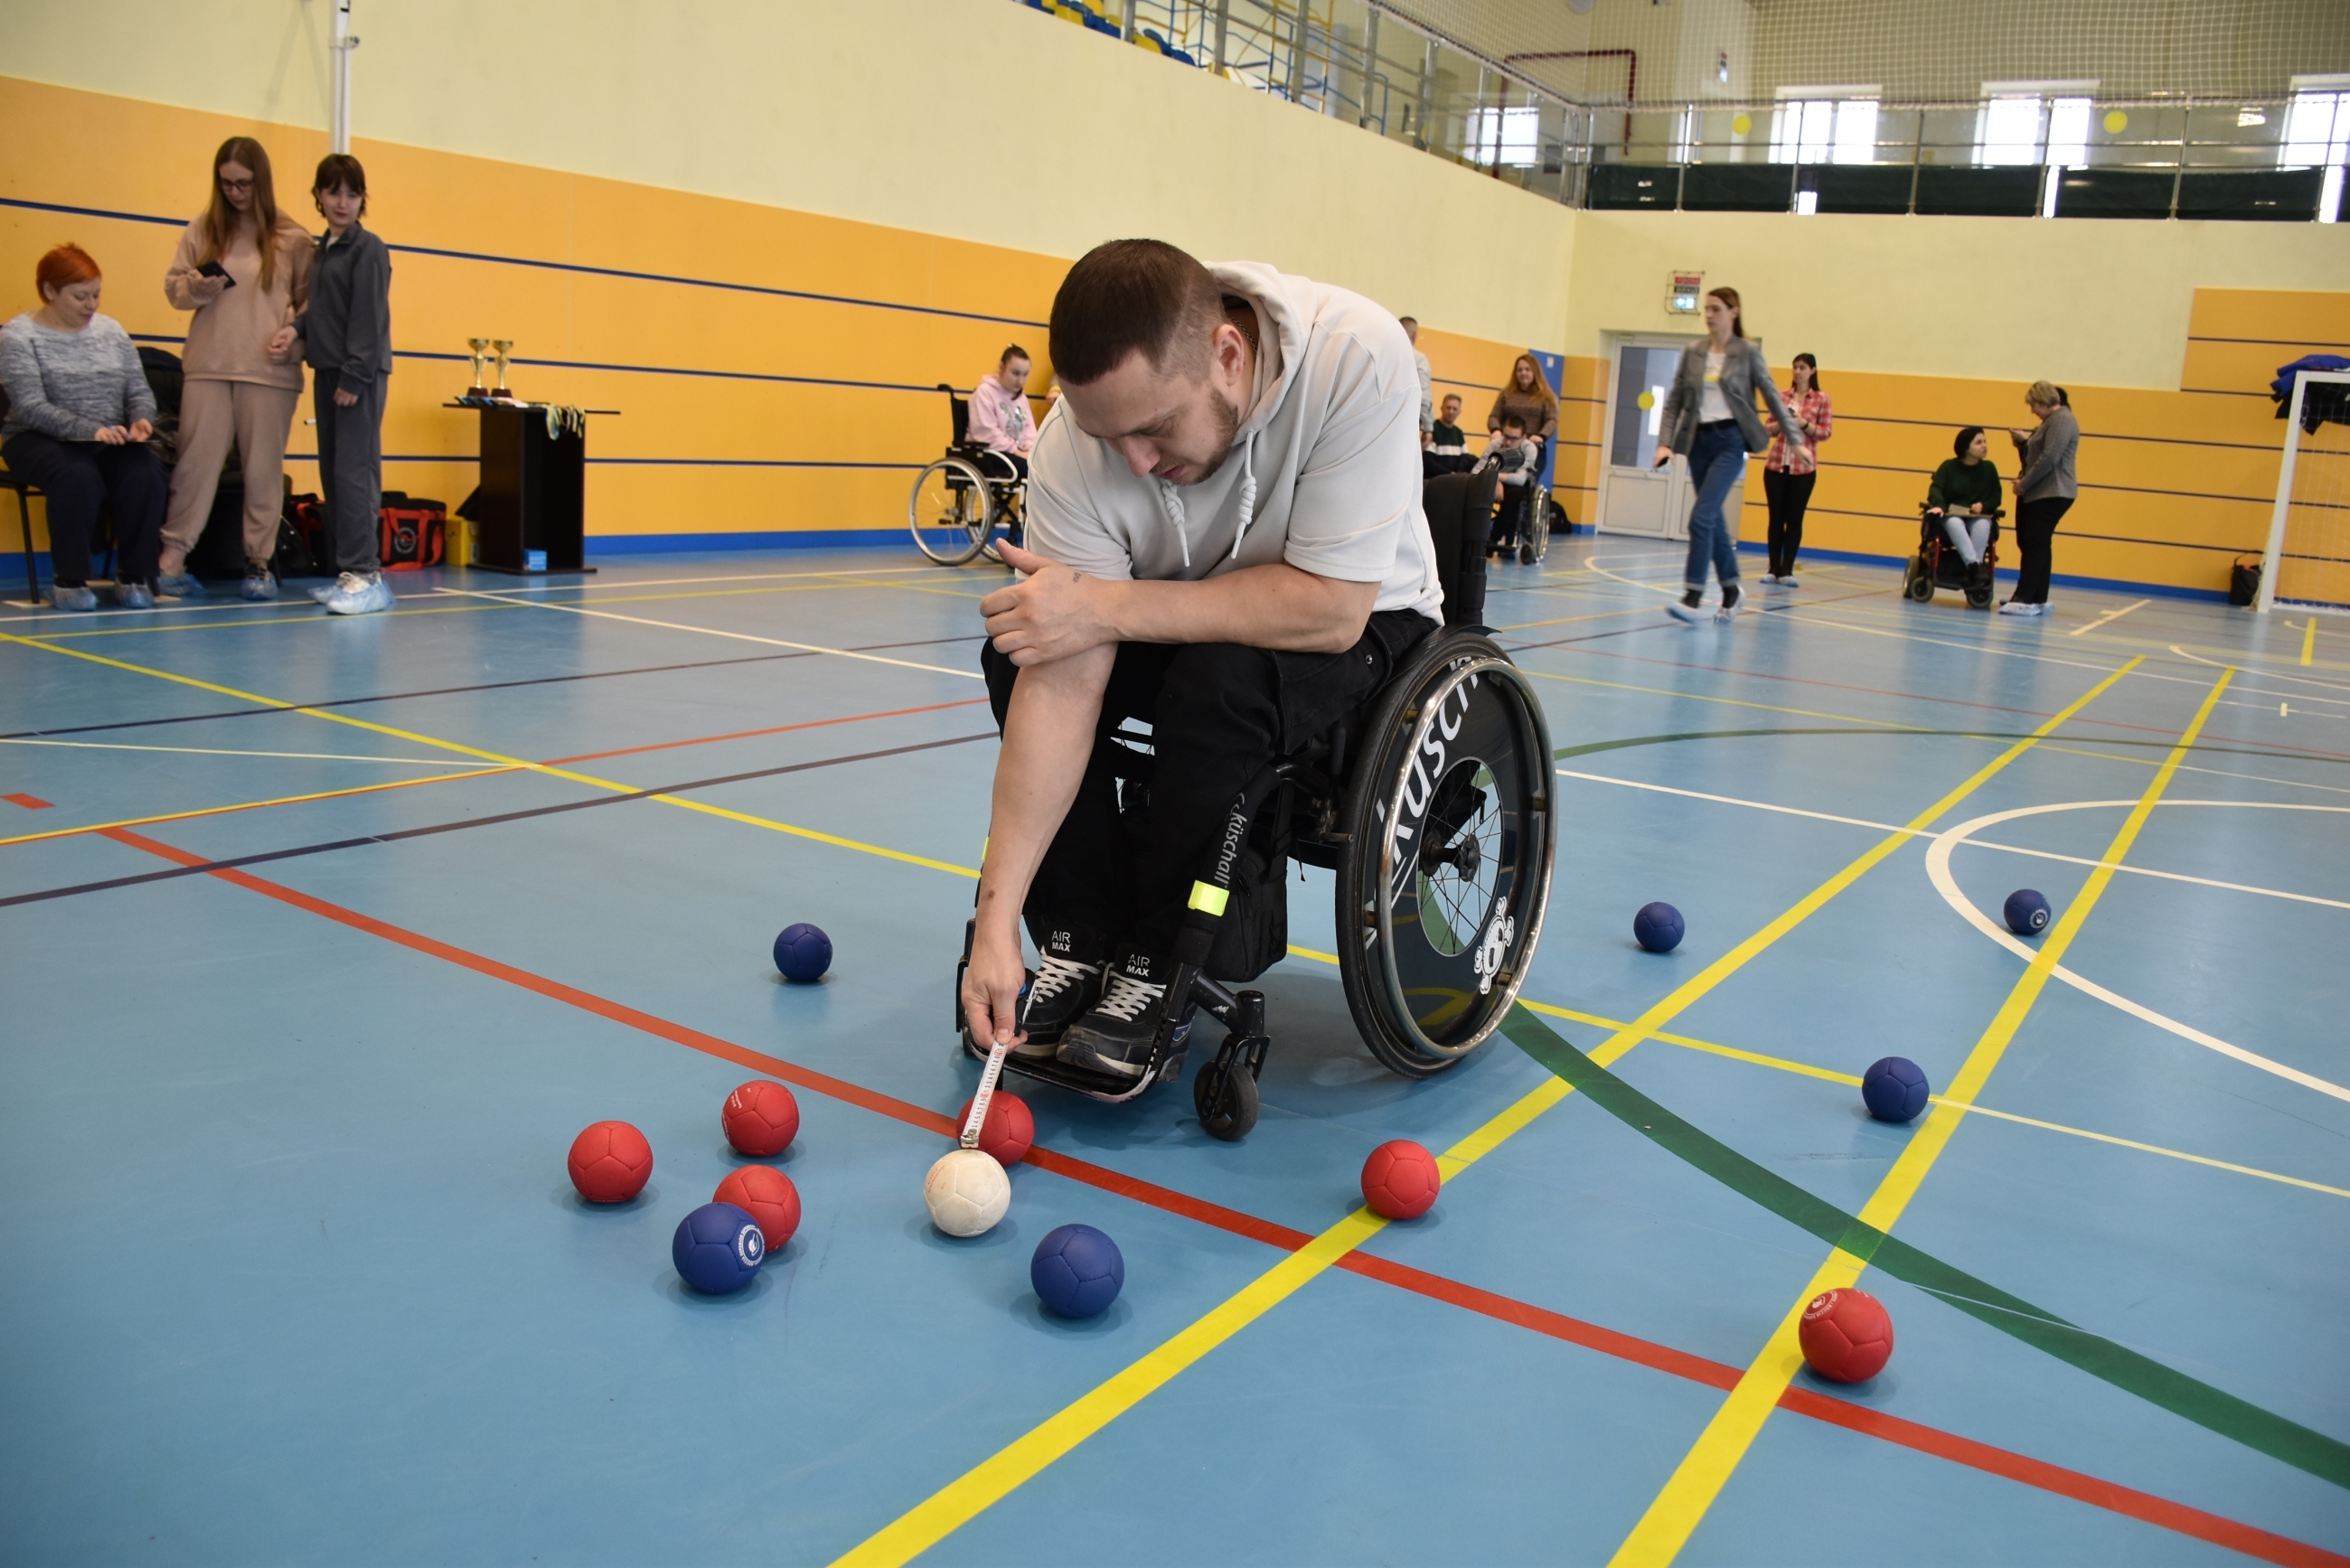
(1914, 51)
(2310, 554)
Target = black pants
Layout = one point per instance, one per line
(81, 476)
(2035, 529)
(1509, 515)
(1787, 495)
(351, 470)
(1216, 713)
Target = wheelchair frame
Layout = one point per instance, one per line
(1002, 499)
(1361, 816)
(1939, 565)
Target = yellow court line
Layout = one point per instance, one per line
(1570, 620)
(483, 771)
(2309, 641)
(1675, 1512)
(462, 750)
(960, 1500)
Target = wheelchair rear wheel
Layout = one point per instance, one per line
(1533, 537)
(950, 513)
(1446, 872)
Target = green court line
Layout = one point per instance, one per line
(2213, 1409)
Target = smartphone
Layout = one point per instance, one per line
(214, 269)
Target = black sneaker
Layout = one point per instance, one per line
(1685, 609)
(1733, 599)
(1064, 991)
(1115, 1036)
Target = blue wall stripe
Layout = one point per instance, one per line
(574, 268)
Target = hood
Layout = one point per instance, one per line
(1282, 315)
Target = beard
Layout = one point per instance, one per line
(1228, 421)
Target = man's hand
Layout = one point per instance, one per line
(112, 435)
(345, 397)
(281, 345)
(141, 431)
(991, 989)
(1054, 611)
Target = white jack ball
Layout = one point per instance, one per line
(966, 1192)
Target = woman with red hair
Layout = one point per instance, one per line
(79, 413)
(244, 267)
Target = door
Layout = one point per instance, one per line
(1635, 497)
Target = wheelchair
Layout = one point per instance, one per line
(1939, 565)
(1435, 804)
(964, 500)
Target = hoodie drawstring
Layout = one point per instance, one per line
(1173, 505)
(1170, 501)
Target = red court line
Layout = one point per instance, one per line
(29, 802)
(2108, 1495)
(748, 734)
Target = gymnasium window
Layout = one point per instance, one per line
(2033, 122)
(1824, 125)
(2317, 135)
(1508, 136)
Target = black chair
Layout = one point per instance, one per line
(1434, 804)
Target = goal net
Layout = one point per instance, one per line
(2308, 567)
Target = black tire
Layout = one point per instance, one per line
(1225, 1095)
(1920, 586)
(1434, 941)
(1534, 542)
(950, 512)
(1979, 599)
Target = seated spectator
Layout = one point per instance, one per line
(1000, 420)
(1964, 493)
(79, 412)
(1518, 455)
(1446, 448)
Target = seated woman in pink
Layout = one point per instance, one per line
(1000, 420)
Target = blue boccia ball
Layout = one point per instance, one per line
(803, 952)
(1078, 1272)
(1895, 1088)
(1658, 927)
(718, 1248)
(2027, 912)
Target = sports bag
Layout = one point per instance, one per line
(413, 532)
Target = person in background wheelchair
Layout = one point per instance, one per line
(1227, 554)
(1964, 499)
(1001, 423)
(1517, 456)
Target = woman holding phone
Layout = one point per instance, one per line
(1710, 419)
(244, 267)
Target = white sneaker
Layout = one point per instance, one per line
(1733, 599)
(2016, 607)
(1786, 582)
(359, 593)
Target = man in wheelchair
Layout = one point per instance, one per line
(1227, 555)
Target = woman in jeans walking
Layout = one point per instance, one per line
(2045, 491)
(1792, 468)
(1710, 419)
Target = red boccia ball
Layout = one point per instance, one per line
(1846, 1336)
(610, 1162)
(1401, 1181)
(761, 1119)
(1009, 1131)
(768, 1196)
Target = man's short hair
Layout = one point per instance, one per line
(1130, 294)
(1407, 320)
(1516, 422)
(1011, 352)
(1447, 397)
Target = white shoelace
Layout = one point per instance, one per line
(1128, 998)
(1057, 975)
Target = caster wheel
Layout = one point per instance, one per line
(1921, 586)
(1224, 1093)
(1979, 599)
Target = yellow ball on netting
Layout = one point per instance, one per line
(1648, 399)
(2116, 122)
(1739, 124)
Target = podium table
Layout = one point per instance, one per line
(528, 512)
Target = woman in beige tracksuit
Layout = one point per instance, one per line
(232, 388)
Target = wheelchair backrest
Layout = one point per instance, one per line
(962, 411)
(1459, 508)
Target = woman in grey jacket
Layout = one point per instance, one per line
(2045, 491)
(1710, 419)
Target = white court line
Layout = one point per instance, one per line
(208, 752)
(178, 606)
(2109, 615)
(714, 631)
(1985, 843)
(1938, 868)
(2149, 1147)
(2271, 674)
(733, 577)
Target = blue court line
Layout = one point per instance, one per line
(572, 267)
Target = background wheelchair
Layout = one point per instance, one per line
(964, 501)
(1436, 806)
(1939, 565)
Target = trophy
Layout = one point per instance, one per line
(499, 346)
(481, 348)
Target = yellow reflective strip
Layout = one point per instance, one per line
(1208, 897)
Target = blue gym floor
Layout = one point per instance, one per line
(304, 1007)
